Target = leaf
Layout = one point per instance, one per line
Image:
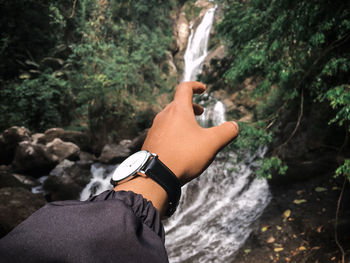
(287, 213)
(278, 249)
(264, 228)
(271, 240)
(247, 250)
(299, 201)
(320, 189)
(279, 228)
(24, 76)
(302, 248)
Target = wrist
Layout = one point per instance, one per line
(149, 189)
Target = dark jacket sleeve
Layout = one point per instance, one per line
(111, 227)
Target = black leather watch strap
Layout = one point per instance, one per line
(165, 178)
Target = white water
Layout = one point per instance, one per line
(217, 209)
(197, 46)
(101, 176)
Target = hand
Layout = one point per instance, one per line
(183, 146)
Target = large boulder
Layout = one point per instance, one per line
(80, 139)
(9, 141)
(63, 150)
(115, 153)
(16, 204)
(33, 159)
(67, 180)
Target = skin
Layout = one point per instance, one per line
(182, 145)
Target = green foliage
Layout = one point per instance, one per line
(290, 48)
(268, 165)
(109, 61)
(344, 169)
(37, 104)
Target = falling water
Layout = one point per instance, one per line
(197, 46)
(217, 209)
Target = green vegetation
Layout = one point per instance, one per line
(299, 54)
(88, 65)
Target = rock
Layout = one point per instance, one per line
(16, 204)
(86, 157)
(37, 136)
(137, 142)
(33, 159)
(67, 180)
(9, 141)
(8, 179)
(218, 53)
(59, 170)
(114, 153)
(62, 188)
(182, 31)
(63, 150)
(80, 139)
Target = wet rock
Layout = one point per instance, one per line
(80, 139)
(114, 153)
(63, 150)
(9, 141)
(16, 204)
(33, 159)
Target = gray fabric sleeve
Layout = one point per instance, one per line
(111, 227)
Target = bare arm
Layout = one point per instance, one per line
(186, 148)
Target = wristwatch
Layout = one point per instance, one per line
(149, 164)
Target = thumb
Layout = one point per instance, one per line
(224, 134)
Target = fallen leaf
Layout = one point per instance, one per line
(319, 229)
(278, 227)
(299, 201)
(333, 258)
(335, 188)
(247, 250)
(315, 248)
(287, 259)
(302, 248)
(271, 240)
(291, 219)
(320, 189)
(264, 228)
(300, 192)
(278, 249)
(287, 213)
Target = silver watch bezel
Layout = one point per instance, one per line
(141, 158)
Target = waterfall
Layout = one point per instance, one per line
(197, 46)
(217, 209)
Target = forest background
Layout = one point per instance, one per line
(102, 67)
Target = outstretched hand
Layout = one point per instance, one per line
(182, 145)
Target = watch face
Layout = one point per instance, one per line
(131, 165)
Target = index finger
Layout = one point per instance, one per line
(185, 90)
